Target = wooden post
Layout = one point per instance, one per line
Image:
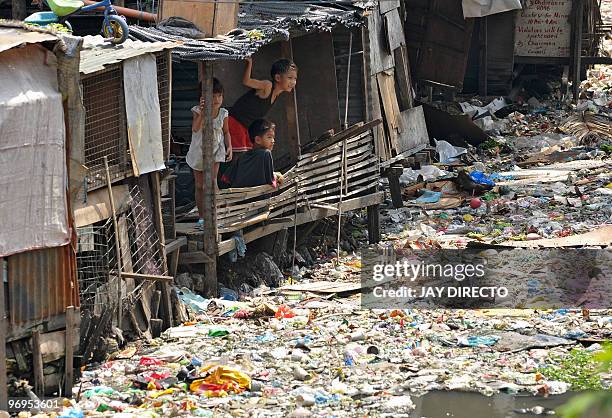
(342, 186)
(393, 175)
(19, 9)
(210, 207)
(3, 332)
(159, 225)
(69, 362)
(373, 224)
(483, 82)
(293, 122)
(577, 46)
(117, 244)
(348, 80)
(39, 378)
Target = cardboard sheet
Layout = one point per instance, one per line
(33, 172)
(143, 114)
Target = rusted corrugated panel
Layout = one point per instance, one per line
(41, 284)
(97, 53)
(10, 37)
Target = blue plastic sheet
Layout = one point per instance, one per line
(429, 197)
(481, 178)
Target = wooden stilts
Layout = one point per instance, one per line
(159, 224)
(3, 332)
(69, 362)
(210, 207)
(295, 212)
(342, 192)
(373, 224)
(39, 378)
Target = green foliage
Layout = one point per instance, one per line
(607, 148)
(579, 368)
(489, 144)
(596, 402)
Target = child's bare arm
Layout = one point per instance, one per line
(228, 140)
(263, 85)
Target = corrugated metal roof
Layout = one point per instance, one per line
(10, 37)
(262, 24)
(98, 53)
(41, 284)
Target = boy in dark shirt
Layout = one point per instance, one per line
(256, 166)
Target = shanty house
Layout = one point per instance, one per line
(330, 139)
(39, 130)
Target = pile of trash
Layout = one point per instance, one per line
(271, 356)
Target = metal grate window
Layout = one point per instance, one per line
(105, 126)
(97, 256)
(163, 88)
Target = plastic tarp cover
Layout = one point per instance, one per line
(480, 8)
(33, 208)
(143, 114)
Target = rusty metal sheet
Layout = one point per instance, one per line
(41, 284)
(14, 36)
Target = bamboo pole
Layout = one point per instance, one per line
(117, 245)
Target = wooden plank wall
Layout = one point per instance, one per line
(318, 176)
(390, 84)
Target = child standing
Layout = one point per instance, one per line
(222, 145)
(256, 166)
(257, 102)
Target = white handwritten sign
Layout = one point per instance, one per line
(543, 29)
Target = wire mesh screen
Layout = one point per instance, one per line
(97, 264)
(95, 259)
(163, 89)
(105, 128)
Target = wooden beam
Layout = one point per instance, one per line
(306, 217)
(117, 244)
(174, 260)
(97, 208)
(71, 328)
(159, 224)
(175, 244)
(153, 277)
(37, 365)
(195, 257)
(402, 77)
(3, 332)
(210, 209)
